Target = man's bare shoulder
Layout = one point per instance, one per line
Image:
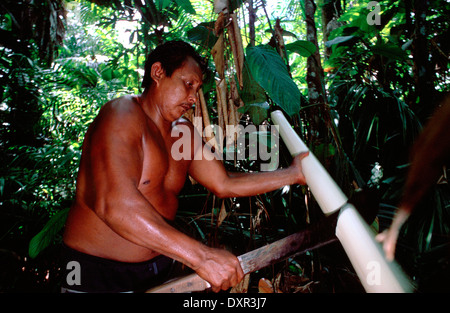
(121, 117)
(125, 107)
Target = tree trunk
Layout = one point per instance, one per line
(251, 22)
(314, 76)
(331, 10)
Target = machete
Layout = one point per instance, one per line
(314, 236)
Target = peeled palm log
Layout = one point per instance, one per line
(366, 255)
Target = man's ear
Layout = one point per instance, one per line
(157, 72)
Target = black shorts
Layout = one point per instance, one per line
(87, 273)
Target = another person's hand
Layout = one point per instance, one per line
(389, 237)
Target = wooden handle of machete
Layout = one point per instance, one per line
(189, 283)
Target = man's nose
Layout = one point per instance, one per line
(193, 97)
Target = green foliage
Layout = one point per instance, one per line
(302, 47)
(373, 89)
(185, 5)
(48, 234)
(40, 165)
(203, 35)
(370, 90)
(270, 72)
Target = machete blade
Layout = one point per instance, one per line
(314, 236)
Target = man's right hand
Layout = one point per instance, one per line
(297, 165)
(221, 269)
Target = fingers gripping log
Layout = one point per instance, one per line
(375, 272)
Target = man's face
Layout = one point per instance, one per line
(179, 92)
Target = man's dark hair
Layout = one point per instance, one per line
(171, 54)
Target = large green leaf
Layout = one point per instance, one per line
(202, 34)
(186, 5)
(251, 92)
(163, 4)
(47, 235)
(303, 47)
(270, 72)
(253, 95)
(257, 111)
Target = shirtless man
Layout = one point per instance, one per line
(128, 183)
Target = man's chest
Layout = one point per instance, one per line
(161, 171)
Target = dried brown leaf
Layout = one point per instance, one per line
(237, 49)
(265, 286)
(218, 56)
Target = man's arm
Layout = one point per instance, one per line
(115, 162)
(209, 171)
